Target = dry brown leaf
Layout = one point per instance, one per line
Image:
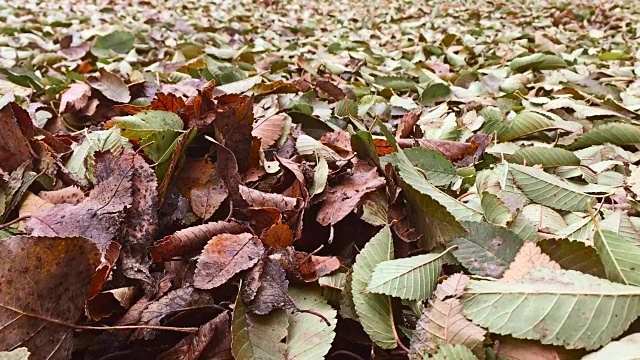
(173, 302)
(343, 198)
(520, 349)
(213, 341)
(69, 195)
(111, 86)
(259, 199)
(103, 272)
(269, 130)
(278, 235)
(194, 171)
(273, 290)
(443, 322)
(99, 217)
(331, 89)
(338, 140)
(14, 146)
(47, 277)
(452, 150)
(528, 258)
(234, 123)
(406, 124)
(207, 198)
(74, 98)
(107, 303)
(192, 239)
(227, 168)
(310, 268)
(32, 204)
(224, 256)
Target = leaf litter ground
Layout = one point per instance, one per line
(319, 180)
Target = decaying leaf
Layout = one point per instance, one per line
(224, 256)
(50, 276)
(528, 258)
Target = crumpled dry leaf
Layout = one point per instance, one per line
(43, 278)
(273, 290)
(68, 195)
(269, 130)
(172, 302)
(213, 341)
(259, 199)
(14, 143)
(344, 197)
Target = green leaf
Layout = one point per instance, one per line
(621, 224)
(547, 157)
(374, 310)
(549, 190)
(320, 174)
(613, 55)
(362, 143)
(495, 211)
(435, 93)
(537, 61)
(442, 322)
(396, 83)
(412, 278)
(257, 336)
(544, 219)
(612, 133)
(346, 108)
(159, 129)
(80, 163)
(620, 256)
(438, 169)
(428, 204)
(523, 124)
(488, 250)
(557, 307)
(309, 337)
(240, 86)
(573, 255)
(627, 348)
(454, 352)
(118, 42)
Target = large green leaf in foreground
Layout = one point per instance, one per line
(556, 307)
(374, 310)
(257, 336)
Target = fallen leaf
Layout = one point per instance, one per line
(257, 198)
(273, 290)
(51, 277)
(269, 130)
(14, 146)
(191, 239)
(343, 198)
(207, 198)
(111, 86)
(213, 341)
(74, 98)
(528, 258)
(224, 256)
(69, 195)
(278, 235)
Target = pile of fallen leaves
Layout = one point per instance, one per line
(307, 180)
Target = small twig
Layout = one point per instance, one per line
(189, 330)
(326, 321)
(25, 217)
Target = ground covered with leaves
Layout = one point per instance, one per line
(319, 180)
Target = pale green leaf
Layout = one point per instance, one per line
(620, 256)
(346, 108)
(573, 255)
(495, 211)
(374, 310)
(544, 219)
(309, 337)
(117, 42)
(411, 278)
(453, 352)
(102, 140)
(488, 249)
(612, 133)
(257, 337)
(239, 86)
(627, 348)
(523, 124)
(437, 168)
(396, 83)
(558, 307)
(549, 190)
(621, 224)
(547, 157)
(320, 174)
